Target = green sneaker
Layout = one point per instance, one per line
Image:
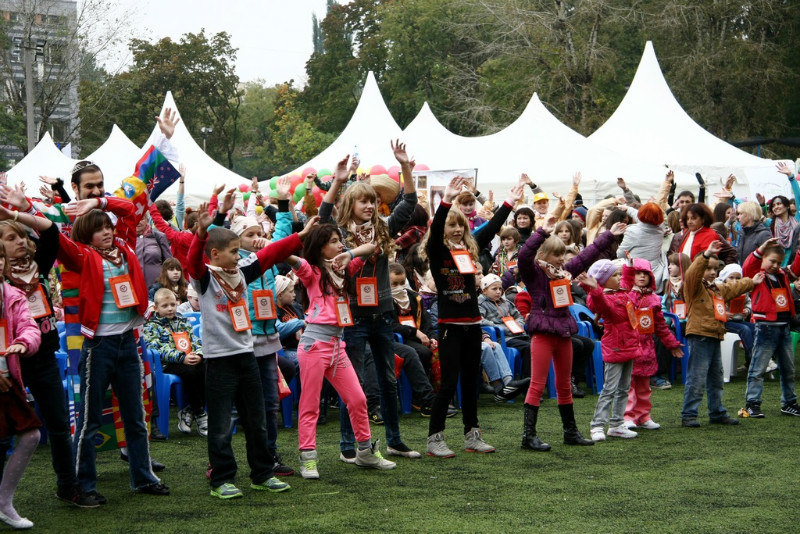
(272, 484)
(226, 491)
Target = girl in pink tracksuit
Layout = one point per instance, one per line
(325, 273)
(637, 276)
(22, 336)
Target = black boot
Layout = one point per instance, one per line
(571, 434)
(529, 439)
(577, 392)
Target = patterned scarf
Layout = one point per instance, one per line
(784, 230)
(230, 280)
(112, 255)
(456, 246)
(642, 290)
(553, 272)
(676, 282)
(362, 233)
(336, 278)
(24, 274)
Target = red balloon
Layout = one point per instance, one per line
(307, 171)
(327, 178)
(295, 179)
(421, 167)
(318, 194)
(394, 172)
(377, 169)
(244, 188)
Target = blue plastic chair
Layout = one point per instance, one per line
(163, 384)
(679, 335)
(287, 403)
(193, 317)
(197, 330)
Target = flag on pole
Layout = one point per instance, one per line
(153, 175)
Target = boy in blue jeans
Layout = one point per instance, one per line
(232, 374)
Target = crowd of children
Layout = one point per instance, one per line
(279, 292)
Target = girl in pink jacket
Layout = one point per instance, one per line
(638, 276)
(620, 344)
(18, 335)
(325, 273)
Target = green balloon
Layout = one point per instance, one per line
(299, 192)
(273, 182)
(273, 193)
(324, 172)
(246, 196)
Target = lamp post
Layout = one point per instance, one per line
(204, 131)
(29, 54)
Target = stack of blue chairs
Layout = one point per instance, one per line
(594, 368)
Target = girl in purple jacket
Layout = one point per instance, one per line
(550, 325)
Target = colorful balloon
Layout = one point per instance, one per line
(394, 172)
(421, 167)
(273, 182)
(377, 169)
(324, 172)
(244, 188)
(299, 192)
(318, 194)
(307, 171)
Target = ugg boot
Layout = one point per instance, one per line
(529, 439)
(571, 434)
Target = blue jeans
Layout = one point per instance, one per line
(236, 380)
(771, 341)
(746, 332)
(705, 371)
(268, 371)
(112, 360)
(377, 330)
(494, 362)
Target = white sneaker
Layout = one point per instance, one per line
(372, 458)
(597, 434)
(621, 432)
(650, 425)
(437, 447)
(771, 366)
(202, 424)
(473, 442)
(630, 425)
(185, 420)
(308, 465)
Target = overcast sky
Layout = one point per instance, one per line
(273, 36)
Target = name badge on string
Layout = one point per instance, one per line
(463, 261)
(511, 264)
(407, 320)
(631, 314)
(736, 305)
(264, 304)
(679, 309)
(644, 321)
(719, 309)
(561, 292)
(3, 336)
(781, 299)
(122, 291)
(343, 315)
(240, 318)
(367, 291)
(37, 304)
(182, 342)
(512, 325)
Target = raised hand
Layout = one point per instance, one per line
(453, 189)
(524, 179)
(14, 196)
(353, 169)
(81, 207)
(772, 241)
(618, 228)
(167, 122)
(400, 153)
(312, 223)
(576, 178)
(758, 278)
(729, 181)
(49, 180)
(714, 247)
(282, 187)
(670, 177)
(254, 184)
(621, 184)
(549, 223)
(586, 280)
(341, 261)
(204, 218)
(310, 180)
(228, 200)
(784, 169)
(47, 193)
(218, 189)
(760, 198)
(341, 174)
(514, 195)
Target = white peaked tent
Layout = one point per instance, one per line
(116, 157)
(44, 160)
(202, 172)
(537, 144)
(651, 125)
(370, 130)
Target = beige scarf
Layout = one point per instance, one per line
(230, 280)
(24, 274)
(362, 233)
(336, 278)
(400, 296)
(553, 272)
(112, 255)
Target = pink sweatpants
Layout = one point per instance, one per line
(639, 405)
(315, 364)
(546, 348)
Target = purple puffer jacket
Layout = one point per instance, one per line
(544, 318)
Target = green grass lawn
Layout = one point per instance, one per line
(709, 479)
